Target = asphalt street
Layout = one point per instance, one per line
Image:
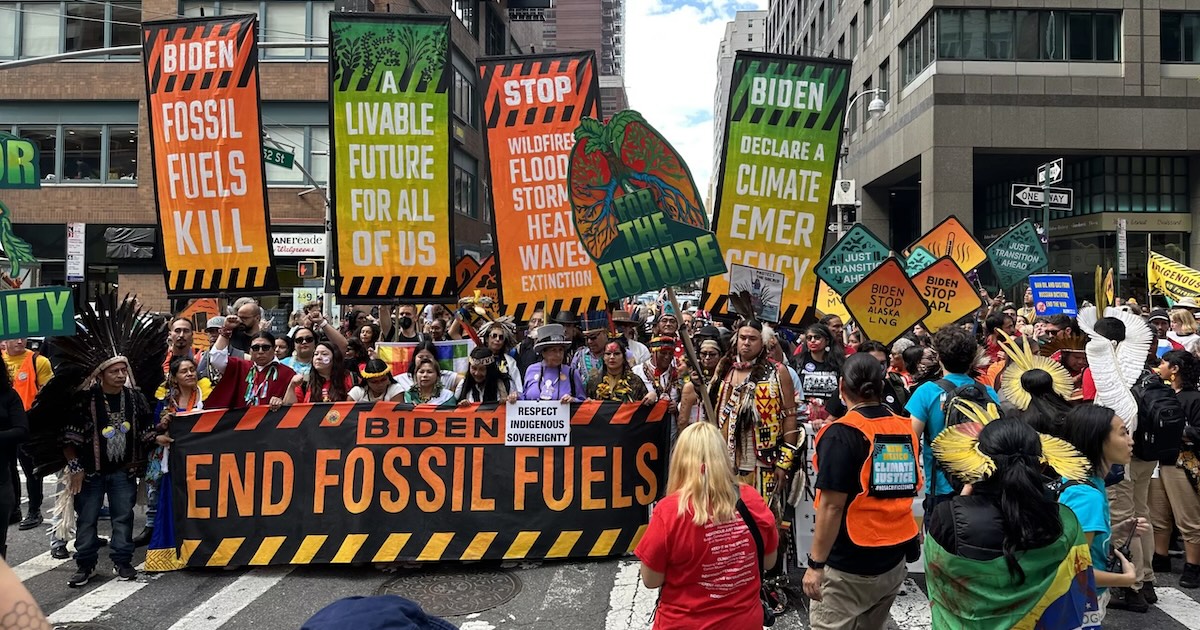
(596, 595)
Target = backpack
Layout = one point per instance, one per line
(973, 392)
(1161, 421)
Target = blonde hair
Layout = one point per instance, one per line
(702, 476)
(1185, 320)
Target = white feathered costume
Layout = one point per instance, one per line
(1117, 366)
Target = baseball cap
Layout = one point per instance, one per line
(215, 322)
(377, 612)
(1159, 313)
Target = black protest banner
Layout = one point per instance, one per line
(361, 483)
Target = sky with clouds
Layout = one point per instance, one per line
(671, 70)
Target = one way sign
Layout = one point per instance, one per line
(1030, 196)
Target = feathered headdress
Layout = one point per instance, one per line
(116, 330)
(1073, 343)
(1021, 359)
(478, 305)
(957, 448)
(1116, 366)
(743, 305)
(505, 325)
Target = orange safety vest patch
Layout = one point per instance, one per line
(881, 514)
(24, 380)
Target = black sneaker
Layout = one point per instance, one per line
(81, 577)
(125, 572)
(60, 553)
(1128, 599)
(1148, 593)
(1191, 576)
(1161, 564)
(33, 520)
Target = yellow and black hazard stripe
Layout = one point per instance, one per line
(186, 281)
(409, 547)
(495, 72)
(835, 79)
(157, 35)
(424, 287)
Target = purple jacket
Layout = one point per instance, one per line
(553, 383)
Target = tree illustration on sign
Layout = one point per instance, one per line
(622, 157)
(409, 47)
(19, 253)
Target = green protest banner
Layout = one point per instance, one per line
(636, 208)
(38, 312)
(389, 98)
(783, 134)
(1017, 253)
(20, 163)
(918, 260)
(852, 258)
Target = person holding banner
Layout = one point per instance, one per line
(261, 380)
(328, 381)
(484, 382)
(690, 408)
(377, 384)
(661, 375)
(617, 382)
(427, 350)
(183, 392)
(708, 541)
(427, 386)
(551, 378)
(589, 359)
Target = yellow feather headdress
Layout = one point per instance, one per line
(957, 448)
(1021, 359)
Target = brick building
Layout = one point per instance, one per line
(89, 118)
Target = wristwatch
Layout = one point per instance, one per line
(813, 564)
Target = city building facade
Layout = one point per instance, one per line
(599, 25)
(980, 94)
(88, 117)
(746, 31)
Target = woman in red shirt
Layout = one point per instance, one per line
(699, 548)
(327, 381)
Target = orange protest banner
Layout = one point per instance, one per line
(948, 293)
(483, 280)
(206, 145)
(464, 269)
(532, 106)
(885, 304)
(952, 238)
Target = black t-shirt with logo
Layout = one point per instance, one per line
(818, 379)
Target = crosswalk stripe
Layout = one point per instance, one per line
(37, 565)
(229, 601)
(1179, 606)
(98, 601)
(630, 604)
(911, 608)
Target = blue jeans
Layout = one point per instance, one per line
(151, 502)
(121, 489)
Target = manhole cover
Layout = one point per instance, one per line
(455, 594)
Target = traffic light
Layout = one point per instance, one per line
(308, 269)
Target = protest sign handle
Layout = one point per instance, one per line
(697, 370)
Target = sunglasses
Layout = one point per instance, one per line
(262, 347)
(814, 338)
(305, 339)
(496, 336)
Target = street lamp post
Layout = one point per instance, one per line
(876, 106)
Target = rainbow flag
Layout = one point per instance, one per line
(1059, 592)
(451, 355)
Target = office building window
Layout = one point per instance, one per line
(34, 29)
(885, 83)
(867, 17)
(885, 7)
(465, 201)
(866, 99)
(84, 154)
(841, 47)
(464, 97)
(310, 145)
(1180, 37)
(280, 21)
(917, 52)
(496, 37)
(467, 13)
(984, 34)
(853, 37)
(852, 126)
